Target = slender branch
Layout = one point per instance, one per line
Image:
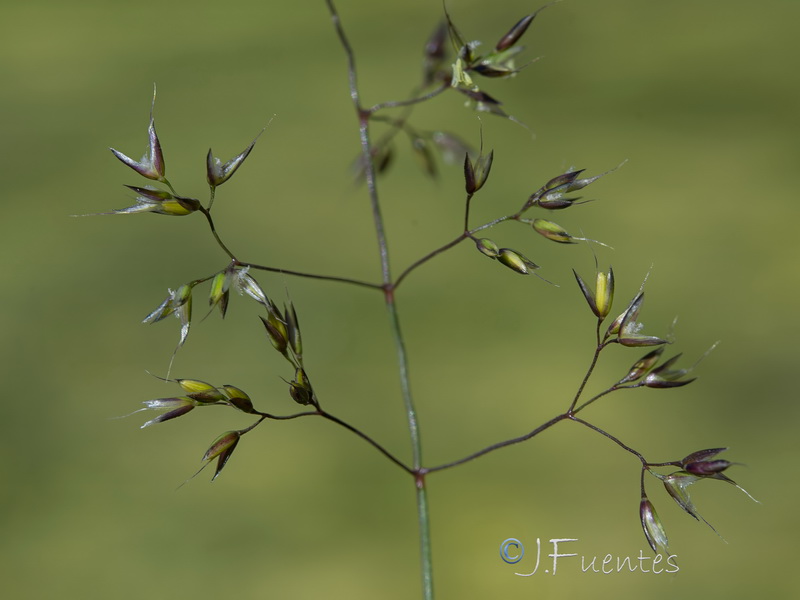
(589, 372)
(166, 182)
(499, 445)
(253, 426)
(494, 222)
(207, 214)
(672, 463)
(285, 417)
(466, 212)
(429, 256)
(222, 245)
(448, 245)
(410, 102)
(368, 439)
(611, 437)
(358, 282)
(334, 419)
(613, 388)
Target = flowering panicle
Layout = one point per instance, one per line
(461, 73)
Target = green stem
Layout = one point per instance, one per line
(424, 539)
(423, 518)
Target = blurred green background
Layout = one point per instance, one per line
(701, 97)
